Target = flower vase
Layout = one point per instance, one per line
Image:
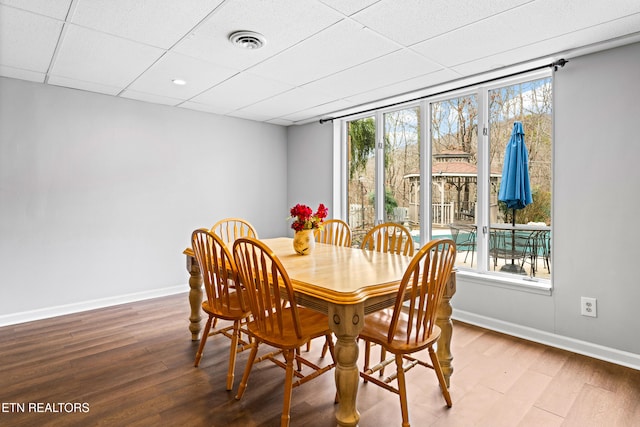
(304, 242)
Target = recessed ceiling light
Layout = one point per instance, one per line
(179, 82)
(247, 39)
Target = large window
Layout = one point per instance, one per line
(467, 134)
(384, 168)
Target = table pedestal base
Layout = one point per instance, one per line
(195, 297)
(346, 322)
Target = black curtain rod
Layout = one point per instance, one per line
(555, 65)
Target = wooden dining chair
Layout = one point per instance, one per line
(224, 300)
(334, 232)
(411, 326)
(389, 237)
(229, 229)
(276, 319)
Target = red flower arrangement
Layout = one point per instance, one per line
(305, 219)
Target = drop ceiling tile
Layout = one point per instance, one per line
(97, 57)
(510, 30)
(397, 90)
(394, 67)
(349, 7)
(146, 97)
(288, 103)
(18, 73)
(555, 48)
(53, 8)
(158, 23)
(241, 90)
(342, 46)
(319, 111)
(27, 40)
(82, 85)
(412, 21)
(280, 122)
(199, 75)
(208, 108)
(283, 23)
(252, 116)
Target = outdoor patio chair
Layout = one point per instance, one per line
(464, 235)
(512, 247)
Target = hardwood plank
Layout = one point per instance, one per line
(537, 417)
(133, 365)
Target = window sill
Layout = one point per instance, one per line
(524, 284)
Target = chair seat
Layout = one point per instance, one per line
(316, 325)
(231, 311)
(376, 330)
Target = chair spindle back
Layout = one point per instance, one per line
(269, 290)
(389, 237)
(421, 291)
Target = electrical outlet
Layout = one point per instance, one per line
(588, 307)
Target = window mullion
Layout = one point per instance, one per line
(425, 172)
(482, 218)
(380, 215)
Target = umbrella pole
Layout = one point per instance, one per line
(512, 268)
(513, 236)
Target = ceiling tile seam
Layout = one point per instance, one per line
(443, 66)
(302, 85)
(209, 88)
(292, 46)
(310, 82)
(199, 24)
(69, 21)
(424, 91)
(244, 106)
(63, 31)
(345, 15)
(275, 54)
(31, 12)
(142, 73)
(400, 47)
(191, 30)
(248, 69)
(502, 11)
(555, 53)
(346, 99)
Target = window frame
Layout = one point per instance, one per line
(483, 273)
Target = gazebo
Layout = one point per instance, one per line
(450, 171)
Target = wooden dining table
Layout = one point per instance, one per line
(346, 284)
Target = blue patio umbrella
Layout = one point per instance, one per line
(515, 189)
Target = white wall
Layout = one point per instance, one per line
(595, 218)
(310, 166)
(99, 195)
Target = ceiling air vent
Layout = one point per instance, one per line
(247, 39)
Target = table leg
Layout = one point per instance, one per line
(443, 320)
(346, 322)
(195, 297)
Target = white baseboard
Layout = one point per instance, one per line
(596, 351)
(45, 313)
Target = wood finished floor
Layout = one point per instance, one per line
(133, 365)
